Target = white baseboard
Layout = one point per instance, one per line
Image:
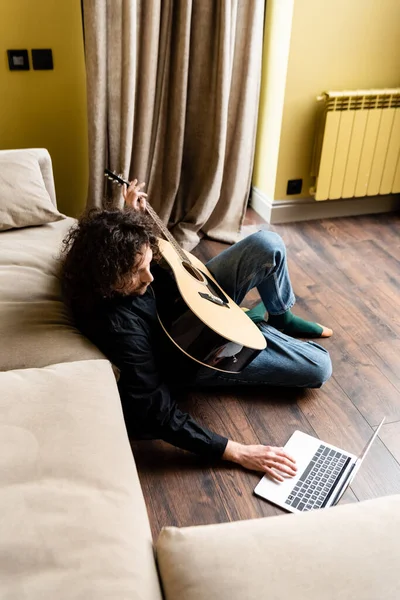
(307, 209)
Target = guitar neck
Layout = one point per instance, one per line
(165, 232)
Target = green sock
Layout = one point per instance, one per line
(257, 313)
(295, 326)
(287, 322)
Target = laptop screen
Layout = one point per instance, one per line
(357, 464)
(370, 442)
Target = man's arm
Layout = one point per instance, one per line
(150, 411)
(148, 406)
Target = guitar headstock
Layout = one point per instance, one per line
(119, 180)
(115, 178)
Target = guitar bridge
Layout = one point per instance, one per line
(214, 299)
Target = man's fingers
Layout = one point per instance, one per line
(282, 467)
(289, 456)
(273, 474)
(135, 184)
(282, 452)
(282, 458)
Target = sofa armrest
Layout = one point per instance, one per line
(43, 157)
(346, 552)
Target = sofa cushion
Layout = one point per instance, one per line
(345, 552)
(73, 522)
(35, 327)
(24, 200)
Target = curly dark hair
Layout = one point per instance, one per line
(100, 250)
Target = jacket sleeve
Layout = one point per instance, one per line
(148, 407)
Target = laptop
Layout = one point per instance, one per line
(324, 472)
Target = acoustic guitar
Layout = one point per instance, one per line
(193, 310)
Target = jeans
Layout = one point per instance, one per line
(260, 261)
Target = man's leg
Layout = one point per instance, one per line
(256, 261)
(285, 361)
(260, 261)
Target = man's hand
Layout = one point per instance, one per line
(267, 459)
(133, 197)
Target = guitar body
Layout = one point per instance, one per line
(199, 317)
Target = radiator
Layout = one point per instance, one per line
(357, 144)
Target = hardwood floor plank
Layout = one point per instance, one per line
(385, 355)
(379, 474)
(358, 376)
(183, 489)
(314, 263)
(273, 412)
(337, 232)
(370, 227)
(224, 413)
(360, 262)
(148, 489)
(390, 436)
(369, 261)
(302, 282)
(362, 324)
(382, 303)
(207, 249)
(354, 230)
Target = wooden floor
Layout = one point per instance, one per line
(346, 274)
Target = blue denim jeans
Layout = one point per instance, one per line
(260, 261)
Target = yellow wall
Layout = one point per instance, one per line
(47, 108)
(278, 24)
(334, 45)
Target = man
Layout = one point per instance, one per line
(107, 270)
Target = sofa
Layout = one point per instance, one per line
(73, 521)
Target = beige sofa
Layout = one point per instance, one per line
(73, 523)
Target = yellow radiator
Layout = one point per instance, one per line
(357, 145)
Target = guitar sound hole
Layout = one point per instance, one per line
(193, 272)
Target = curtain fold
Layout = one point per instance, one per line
(173, 90)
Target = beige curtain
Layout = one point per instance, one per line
(173, 88)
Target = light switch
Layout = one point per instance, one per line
(18, 60)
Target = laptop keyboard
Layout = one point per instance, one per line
(316, 483)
